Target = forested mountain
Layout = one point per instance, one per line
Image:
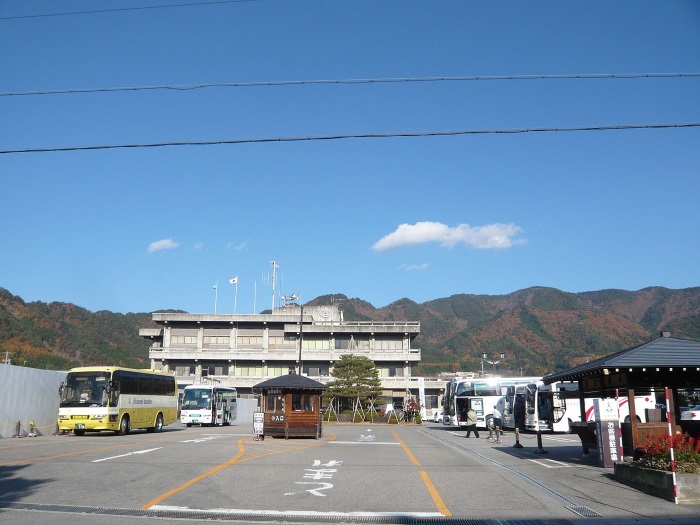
(540, 330)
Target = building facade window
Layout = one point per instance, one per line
(185, 370)
(216, 340)
(250, 340)
(215, 370)
(316, 370)
(352, 343)
(249, 370)
(275, 371)
(183, 339)
(391, 371)
(316, 344)
(388, 344)
(275, 341)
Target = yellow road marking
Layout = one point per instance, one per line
(437, 499)
(238, 458)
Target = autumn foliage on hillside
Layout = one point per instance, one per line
(539, 330)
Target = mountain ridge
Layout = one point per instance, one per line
(539, 329)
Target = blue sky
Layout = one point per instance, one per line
(142, 229)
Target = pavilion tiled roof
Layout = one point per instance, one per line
(664, 352)
(291, 381)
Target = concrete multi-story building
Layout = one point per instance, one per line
(243, 350)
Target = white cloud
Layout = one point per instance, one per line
(482, 237)
(164, 244)
(237, 247)
(413, 267)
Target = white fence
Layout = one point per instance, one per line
(31, 395)
(246, 408)
(26, 395)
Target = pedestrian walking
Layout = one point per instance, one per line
(497, 424)
(471, 423)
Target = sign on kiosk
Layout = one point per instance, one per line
(259, 426)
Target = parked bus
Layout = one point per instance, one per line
(479, 393)
(99, 398)
(209, 405)
(556, 406)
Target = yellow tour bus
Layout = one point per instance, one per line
(99, 398)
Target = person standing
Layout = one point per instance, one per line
(497, 423)
(471, 423)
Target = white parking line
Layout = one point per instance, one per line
(556, 464)
(301, 513)
(128, 454)
(362, 443)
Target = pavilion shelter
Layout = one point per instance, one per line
(667, 368)
(292, 406)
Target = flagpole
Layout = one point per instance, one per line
(235, 297)
(216, 295)
(255, 294)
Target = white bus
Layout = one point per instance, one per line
(556, 406)
(99, 398)
(479, 393)
(209, 405)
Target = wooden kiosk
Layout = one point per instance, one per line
(292, 406)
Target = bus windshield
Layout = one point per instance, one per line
(85, 388)
(196, 398)
(483, 388)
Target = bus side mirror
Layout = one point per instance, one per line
(60, 389)
(562, 394)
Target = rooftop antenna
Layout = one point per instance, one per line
(290, 300)
(274, 281)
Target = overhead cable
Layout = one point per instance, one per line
(356, 136)
(188, 87)
(116, 9)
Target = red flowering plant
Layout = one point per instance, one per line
(686, 453)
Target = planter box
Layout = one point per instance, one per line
(660, 482)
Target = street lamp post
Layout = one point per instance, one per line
(484, 356)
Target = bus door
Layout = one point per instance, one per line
(559, 405)
(461, 409)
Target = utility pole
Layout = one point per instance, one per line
(301, 336)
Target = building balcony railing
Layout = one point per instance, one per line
(277, 354)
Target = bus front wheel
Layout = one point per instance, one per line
(124, 426)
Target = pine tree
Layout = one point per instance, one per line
(355, 376)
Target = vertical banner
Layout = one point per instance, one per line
(607, 431)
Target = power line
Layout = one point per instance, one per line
(187, 87)
(117, 9)
(618, 127)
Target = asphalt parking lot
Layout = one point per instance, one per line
(354, 473)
